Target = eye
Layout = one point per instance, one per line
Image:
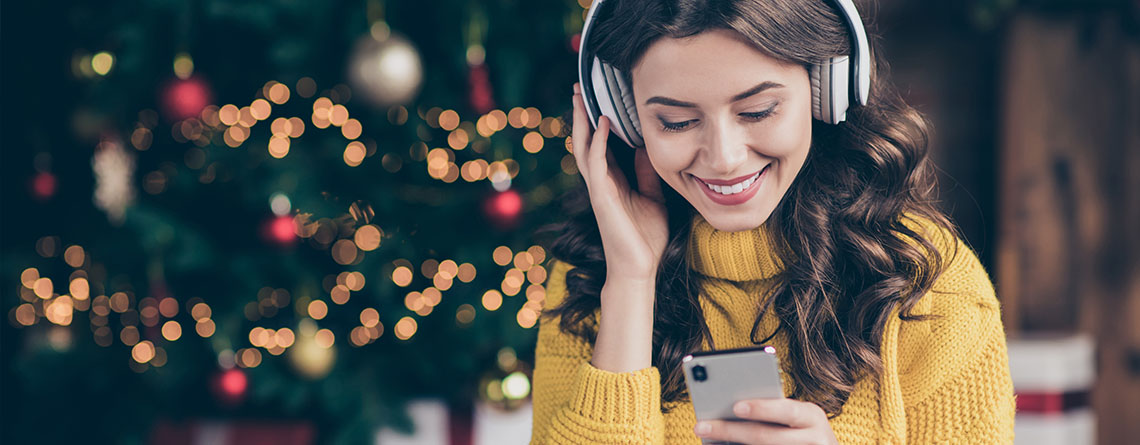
(674, 126)
(759, 115)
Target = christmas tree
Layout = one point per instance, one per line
(299, 211)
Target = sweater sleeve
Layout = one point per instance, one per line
(576, 403)
(954, 369)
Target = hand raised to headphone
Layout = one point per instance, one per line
(633, 225)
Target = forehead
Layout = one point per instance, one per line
(715, 62)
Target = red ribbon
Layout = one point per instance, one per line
(1051, 402)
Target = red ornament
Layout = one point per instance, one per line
(503, 209)
(576, 42)
(231, 386)
(280, 230)
(183, 99)
(43, 186)
(479, 82)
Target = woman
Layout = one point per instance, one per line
(771, 228)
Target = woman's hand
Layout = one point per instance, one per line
(633, 225)
(772, 421)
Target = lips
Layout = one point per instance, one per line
(732, 181)
(740, 196)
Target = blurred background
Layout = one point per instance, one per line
(293, 222)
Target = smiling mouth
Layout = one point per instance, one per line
(733, 188)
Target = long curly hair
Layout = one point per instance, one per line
(851, 260)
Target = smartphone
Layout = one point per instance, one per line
(718, 379)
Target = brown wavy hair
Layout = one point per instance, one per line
(850, 258)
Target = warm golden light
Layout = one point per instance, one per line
(465, 314)
(228, 114)
(278, 146)
(73, 256)
(199, 311)
(324, 338)
(29, 276)
(354, 281)
(284, 337)
(432, 296)
(536, 275)
(535, 293)
(279, 93)
(354, 153)
(258, 336)
(492, 300)
(402, 276)
(502, 255)
(171, 330)
(183, 66)
(120, 302)
(405, 328)
(43, 288)
(344, 252)
(260, 109)
(523, 260)
(129, 335)
(532, 142)
(517, 117)
(26, 314)
(338, 115)
(102, 63)
(466, 272)
(414, 301)
(205, 327)
(367, 237)
(448, 268)
(449, 120)
(318, 309)
(526, 318)
(143, 351)
(458, 139)
(80, 289)
(351, 129)
(340, 294)
(369, 317)
(429, 267)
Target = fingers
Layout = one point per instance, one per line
(596, 157)
(750, 433)
(791, 412)
(580, 137)
(648, 182)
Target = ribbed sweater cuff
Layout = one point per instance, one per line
(617, 398)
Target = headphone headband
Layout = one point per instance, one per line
(835, 83)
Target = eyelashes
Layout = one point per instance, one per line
(673, 127)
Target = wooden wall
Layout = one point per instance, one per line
(1068, 255)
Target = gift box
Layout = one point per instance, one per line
(1053, 376)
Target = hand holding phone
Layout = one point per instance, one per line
(720, 381)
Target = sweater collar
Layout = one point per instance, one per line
(736, 256)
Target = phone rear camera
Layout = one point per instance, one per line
(699, 373)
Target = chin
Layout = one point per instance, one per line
(735, 223)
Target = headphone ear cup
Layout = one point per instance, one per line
(615, 105)
(829, 83)
(629, 106)
(816, 92)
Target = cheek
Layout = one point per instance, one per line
(667, 159)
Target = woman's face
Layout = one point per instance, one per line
(715, 110)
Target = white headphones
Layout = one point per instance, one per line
(834, 83)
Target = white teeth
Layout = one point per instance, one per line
(734, 189)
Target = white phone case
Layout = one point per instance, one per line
(729, 377)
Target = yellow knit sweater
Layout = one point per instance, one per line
(945, 380)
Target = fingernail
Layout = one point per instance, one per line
(577, 88)
(703, 428)
(742, 409)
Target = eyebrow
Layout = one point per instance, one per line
(679, 103)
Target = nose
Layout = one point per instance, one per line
(726, 148)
